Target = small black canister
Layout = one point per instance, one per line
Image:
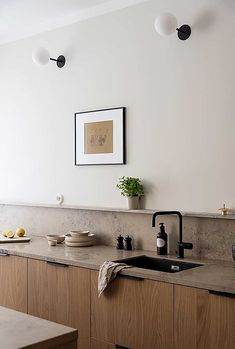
(128, 245)
(233, 252)
(120, 245)
(162, 241)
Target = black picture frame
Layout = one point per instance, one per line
(118, 118)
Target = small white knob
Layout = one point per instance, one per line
(59, 198)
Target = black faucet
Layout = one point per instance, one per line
(181, 245)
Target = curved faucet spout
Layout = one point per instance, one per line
(166, 213)
(181, 245)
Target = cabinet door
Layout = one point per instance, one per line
(191, 308)
(133, 313)
(13, 276)
(101, 345)
(61, 293)
(221, 322)
(203, 320)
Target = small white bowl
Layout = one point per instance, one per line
(58, 238)
(79, 233)
(52, 242)
(89, 237)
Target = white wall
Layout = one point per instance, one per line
(180, 99)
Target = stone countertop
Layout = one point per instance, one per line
(212, 275)
(19, 330)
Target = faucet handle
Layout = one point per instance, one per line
(186, 245)
(182, 246)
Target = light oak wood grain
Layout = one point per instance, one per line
(13, 276)
(203, 320)
(61, 294)
(101, 345)
(191, 307)
(132, 313)
(221, 323)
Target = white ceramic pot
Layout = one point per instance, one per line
(133, 202)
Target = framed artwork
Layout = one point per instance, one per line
(100, 137)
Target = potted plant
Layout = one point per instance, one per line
(133, 189)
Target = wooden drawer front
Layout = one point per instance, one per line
(221, 322)
(203, 320)
(191, 308)
(101, 345)
(133, 314)
(13, 276)
(61, 294)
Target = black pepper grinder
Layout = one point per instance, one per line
(120, 245)
(128, 245)
(162, 240)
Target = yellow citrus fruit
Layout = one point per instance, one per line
(20, 232)
(9, 234)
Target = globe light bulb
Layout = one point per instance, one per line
(165, 24)
(41, 56)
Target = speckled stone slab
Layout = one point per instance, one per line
(212, 236)
(18, 330)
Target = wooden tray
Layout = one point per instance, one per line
(14, 239)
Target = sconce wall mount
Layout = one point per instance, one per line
(60, 61)
(184, 32)
(42, 56)
(166, 24)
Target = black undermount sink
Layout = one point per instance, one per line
(159, 264)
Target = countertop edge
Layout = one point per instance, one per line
(176, 278)
(133, 272)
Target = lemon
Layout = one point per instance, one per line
(9, 234)
(4, 233)
(20, 232)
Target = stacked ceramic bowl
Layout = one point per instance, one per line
(81, 238)
(53, 240)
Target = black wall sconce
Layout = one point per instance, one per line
(42, 56)
(166, 24)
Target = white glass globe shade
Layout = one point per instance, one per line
(41, 56)
(165, 24)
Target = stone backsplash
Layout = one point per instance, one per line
(212, 238)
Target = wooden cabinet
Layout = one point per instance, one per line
(133, 313)
(101, 345)
(13, 276)
(190, 316)
(221, 322)
(203, 320)
(61, 293)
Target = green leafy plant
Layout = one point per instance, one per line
(130, 186)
